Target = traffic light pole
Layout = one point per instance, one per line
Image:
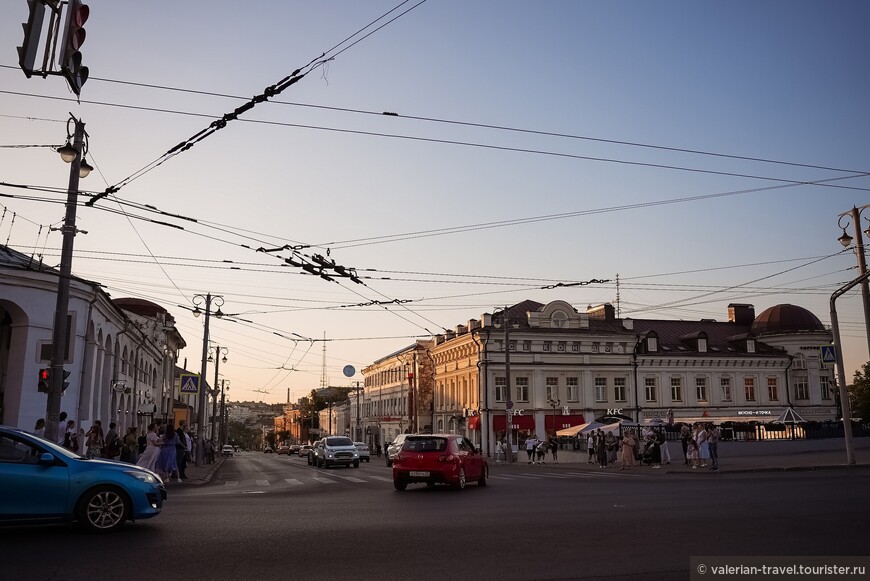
(60, 332)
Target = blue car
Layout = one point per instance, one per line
(41, 482)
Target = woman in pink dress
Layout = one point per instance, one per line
(148, 459)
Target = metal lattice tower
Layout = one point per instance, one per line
(324, 382)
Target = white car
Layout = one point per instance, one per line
(227, 450)
(363, 450)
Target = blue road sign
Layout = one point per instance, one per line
(828, 355)
(189, 383)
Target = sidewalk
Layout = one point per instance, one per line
(736, 457)
(197, 474)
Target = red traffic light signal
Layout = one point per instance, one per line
(74, 38)
(44, 382)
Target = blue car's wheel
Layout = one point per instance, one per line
(103, 509)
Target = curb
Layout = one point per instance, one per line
(198, 481)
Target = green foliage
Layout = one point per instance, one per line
(859, 393)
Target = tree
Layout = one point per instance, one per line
(859, 394)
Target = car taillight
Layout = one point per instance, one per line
(398, 458)
(448, 458)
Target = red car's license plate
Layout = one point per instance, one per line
(418, 474)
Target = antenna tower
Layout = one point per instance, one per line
(323, 380)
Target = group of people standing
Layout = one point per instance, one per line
(162, 449)
(700, 447)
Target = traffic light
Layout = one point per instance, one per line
(66, 375)
(32, 33)
(44, 380)
(74, 37)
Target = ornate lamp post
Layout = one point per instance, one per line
(509, 404)
(207, 301)
(555, 403)
(846, 241)
(215, 356)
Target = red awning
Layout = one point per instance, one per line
(563, 421)
(517, 423)
(474, 423)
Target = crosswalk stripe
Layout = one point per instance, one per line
(350, 478)
(292, 481)
(381, 478)
(325, 480)
(525, 476)
(231, 483)
(263, 483)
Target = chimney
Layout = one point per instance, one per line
(741, 313)
(604, 312)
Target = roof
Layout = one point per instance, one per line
(681, 336)
(139, 306)
(786, 319)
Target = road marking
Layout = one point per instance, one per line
(525, 476)
(554, 475)
(381, 478)
(231, 483)
(262, 483)
(500, 477)
(292, 481)
(325, 480)
(350, 478)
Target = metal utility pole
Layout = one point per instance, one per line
(223, 428)
(200, 448)
(214, 391)
(60, 334)
(845, 240)
(509, 404)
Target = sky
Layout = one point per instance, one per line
(700, 151)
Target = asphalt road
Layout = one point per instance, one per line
(272, 517)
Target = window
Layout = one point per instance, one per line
(500, 384)
(652, 343)
(650, 387)
(702, 344)
(600, 389)
(799, 361)
(701, 388)
(825, 384)
(749, 388)
(725, 388)
(573, 388)
(552, 388)
(772, 389)
(676, 389)
(619, 389)
(522, 388)
(801, 389)
(750, 346)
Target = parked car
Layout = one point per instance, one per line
(363, 450)
(439, 459)
(304, 449)
(294, 449)
(335, 450)
(227, 450)
(41, 482)
(283, 450)
(311, 456)
(267, 450)
(394, 448)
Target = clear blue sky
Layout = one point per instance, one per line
(784, 81)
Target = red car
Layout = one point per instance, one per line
(439, 459)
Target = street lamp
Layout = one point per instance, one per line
(217, 359)
(509, 404)
(225, 387)
(207, 302)
(72, 154)
(846, 240)
(555, 403)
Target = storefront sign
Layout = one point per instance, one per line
(754, 413)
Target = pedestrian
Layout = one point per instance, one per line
(684, 440)
(378, 449)
(386, 450)
(181, 450)
(663, 446)
(601, 448)
(655, 452)
(531, 444)
(629, 445)
(167, 461)
(499, 452)
(142, 441)
(71, 437)
(554, 450)
(610, 444)
(209, 451)
(94, 440)
(148, 459)
(112, 448)
(61, 428)
(130, 446)
(39, 428)
(692, 453)
(703, 446)
(590, 446)
(541, 451)
(713, 436)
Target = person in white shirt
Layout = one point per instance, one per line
(61, 428)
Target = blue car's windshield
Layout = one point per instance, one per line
(54, 448)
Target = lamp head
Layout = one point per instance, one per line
(67, 153)
(845, 239)
(85, 168)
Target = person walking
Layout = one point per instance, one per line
(531, 444)
(94, 440)
(499, 452)
(629, 447)
(181, 450)
(685, 435)
(167, 461)
(713, 442)
(601, 448)
(692, 453)
(611, 445)
(541, 451)
(554, 450)
(71, 437)
(148, 459)
(61, 429)
(703, 445)
(590, 447)
(39, 428)
(130, 446)
(378, 450)
(663, 446)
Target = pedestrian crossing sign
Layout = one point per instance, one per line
(827, 355)
(189, 384)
